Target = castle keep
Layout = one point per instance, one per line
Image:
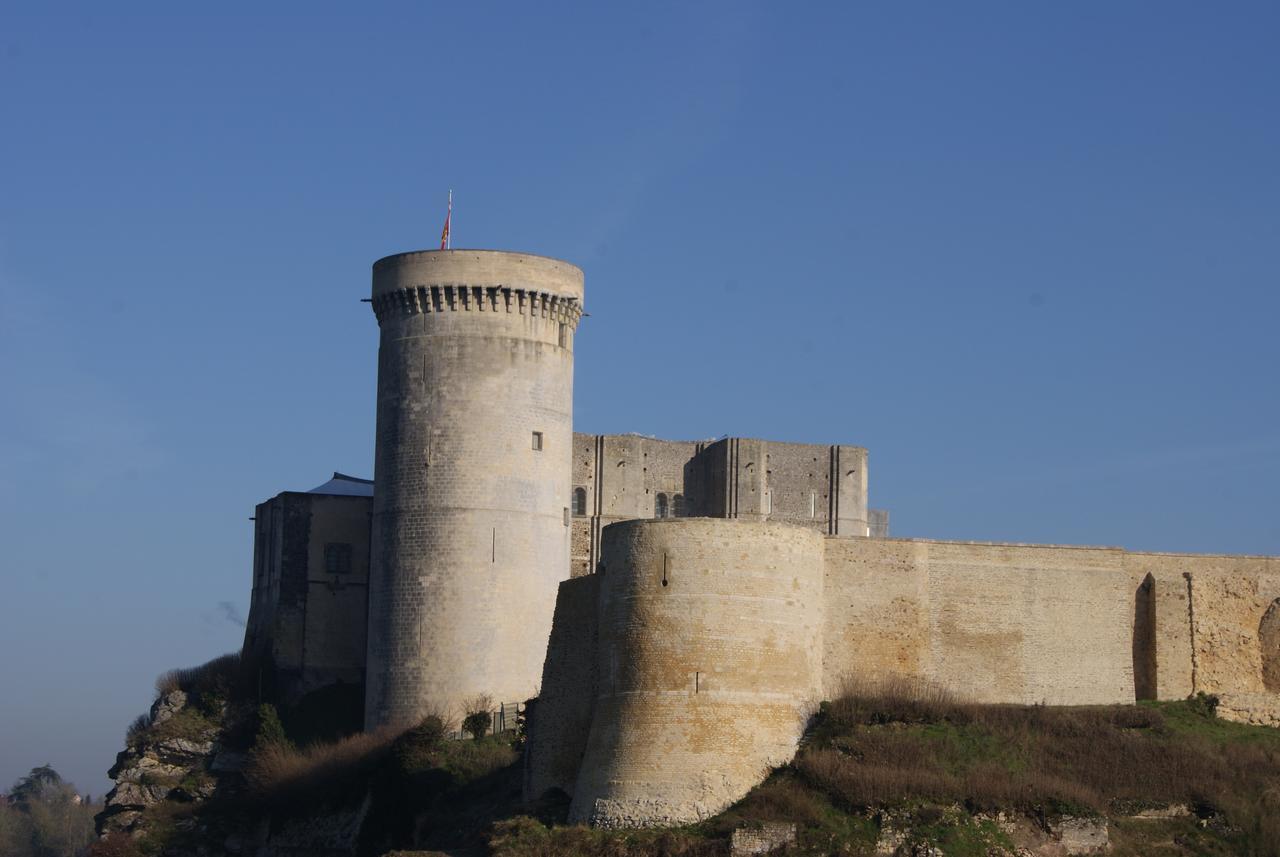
(678, 608)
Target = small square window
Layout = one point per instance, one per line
(537, 441)
(337, 558)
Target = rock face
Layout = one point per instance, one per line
(1255, 709)
(170, 759)
(180, 789)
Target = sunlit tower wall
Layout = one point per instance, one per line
(471, 476)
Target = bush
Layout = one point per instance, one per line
(478, 716)
(212, 680)
(270, 731)
(115, 844)
(140, 725)
(895, 699)
(416, 749)
(476, 724)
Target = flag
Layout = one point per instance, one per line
(444, 236)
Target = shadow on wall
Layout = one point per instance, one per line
(1269, 639)
(1144, 640)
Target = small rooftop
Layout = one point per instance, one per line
(345, 486)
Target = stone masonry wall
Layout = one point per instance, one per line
(701, 683)
(709, 662)
(631, 477)
(471, 526)
(992, 623)
(561, 718)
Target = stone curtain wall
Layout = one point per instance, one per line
(700, 685)
(1230, 597)
(992, 623)
(560, 719)
(471, 524)
(708, 664)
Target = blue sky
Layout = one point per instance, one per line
(1026, 253)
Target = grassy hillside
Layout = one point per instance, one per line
(882, 767)
(986, 779)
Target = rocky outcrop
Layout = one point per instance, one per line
(1255, 709)
(169, 759)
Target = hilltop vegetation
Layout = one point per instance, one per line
(886, 769)
(906, 767)
(43, 816)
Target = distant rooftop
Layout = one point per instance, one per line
(344, 485)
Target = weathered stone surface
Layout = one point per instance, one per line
(1081, 835)
(709, 664)
(1255, 709)
(167, 705)
(474, 441)
(763, 839)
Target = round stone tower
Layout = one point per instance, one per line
(471, 476)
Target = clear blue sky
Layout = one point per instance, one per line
(1026, 253)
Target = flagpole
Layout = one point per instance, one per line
(448, 241)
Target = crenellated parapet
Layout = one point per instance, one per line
(426, 299)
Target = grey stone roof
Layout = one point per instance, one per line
(344, 485)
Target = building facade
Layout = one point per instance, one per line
(679, 608)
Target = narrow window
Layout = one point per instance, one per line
(564, 335)
(579, 501)
(677, 506)
(537, 441)
(337, 558)
(660, 506)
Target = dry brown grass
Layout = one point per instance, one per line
(884, 743)
(282, 775)
(525, 837)
(218, 676)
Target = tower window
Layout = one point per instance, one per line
(537, 441)
(564, 335)
(337, 558)
(660, 506)
(678, 509)
(580, 501)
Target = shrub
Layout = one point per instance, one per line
(270, 731)
(140, 725)
(476, 724)
(117, 844)
(478, 715)
(214, 679)
(894, 699)
(416, 749)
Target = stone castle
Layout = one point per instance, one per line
(674, 611)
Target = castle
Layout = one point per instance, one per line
(678, 609)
